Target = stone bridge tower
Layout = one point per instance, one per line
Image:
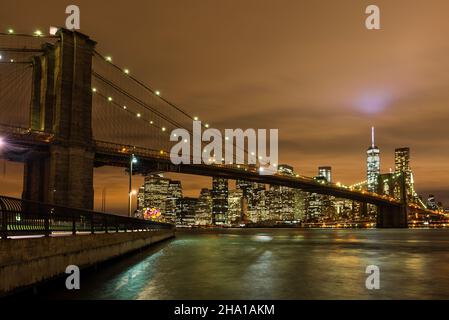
(62, 106)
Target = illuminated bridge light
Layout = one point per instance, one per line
(139, 115)
(10, 31)
(164, 129)
(94, 89)
(108, 59)
(1, 57)
(38, 33)
(158, 93)
(125, 107)
(207, 125)
(110, 99)
(151, 122)
(126, 71)
(196, 118)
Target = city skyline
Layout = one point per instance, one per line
(257, 204)
(381, 79)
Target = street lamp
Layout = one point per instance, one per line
(131, 194)
(132, 161)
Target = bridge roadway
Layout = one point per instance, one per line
(111, 154)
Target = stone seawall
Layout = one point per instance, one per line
(25, 262)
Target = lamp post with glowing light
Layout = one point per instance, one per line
(132, 161)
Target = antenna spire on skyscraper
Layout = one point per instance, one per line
(372, 137)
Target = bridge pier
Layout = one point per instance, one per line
(35, 178)
(62, 106)
(392, 217)
(71, 176)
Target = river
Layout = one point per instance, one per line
(276, 264)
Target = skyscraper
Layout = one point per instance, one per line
(156, 192)
(325, 172)
(186, 214)
(236, 204)
(172, 203)
(431, 202)
(286, 170)
(402, 165)
(161, 194)
(219, 201)
(203, 210)
(373, 164)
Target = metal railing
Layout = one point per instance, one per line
(25, 218)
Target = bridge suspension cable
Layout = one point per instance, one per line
(123, 73)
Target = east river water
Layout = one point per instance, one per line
(276, 264)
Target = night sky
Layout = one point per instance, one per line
(308, 68)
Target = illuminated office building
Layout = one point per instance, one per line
(156, 193)
(432, 203)
(373, 164)
(402, 165)
(172, 205)
(140, 202)
(325, 172)
(286, 170)
(219, 201)
(236, 207)
(203, 216)
(161, 194)
(186, 214)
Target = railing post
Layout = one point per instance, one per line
(4, 224)
(46, 222)
(105, 222)
(73, 224)
(92, 226)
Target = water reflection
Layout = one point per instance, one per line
(279, 264)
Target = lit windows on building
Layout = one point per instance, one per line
(219, 201)
(160, 194)
(237, 205)
(402, 165)
(186, 215)
(172, 205)
(203, 216)
(373, 165)
(325, 172)
(286, 170)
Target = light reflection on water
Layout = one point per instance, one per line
(278, 264)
